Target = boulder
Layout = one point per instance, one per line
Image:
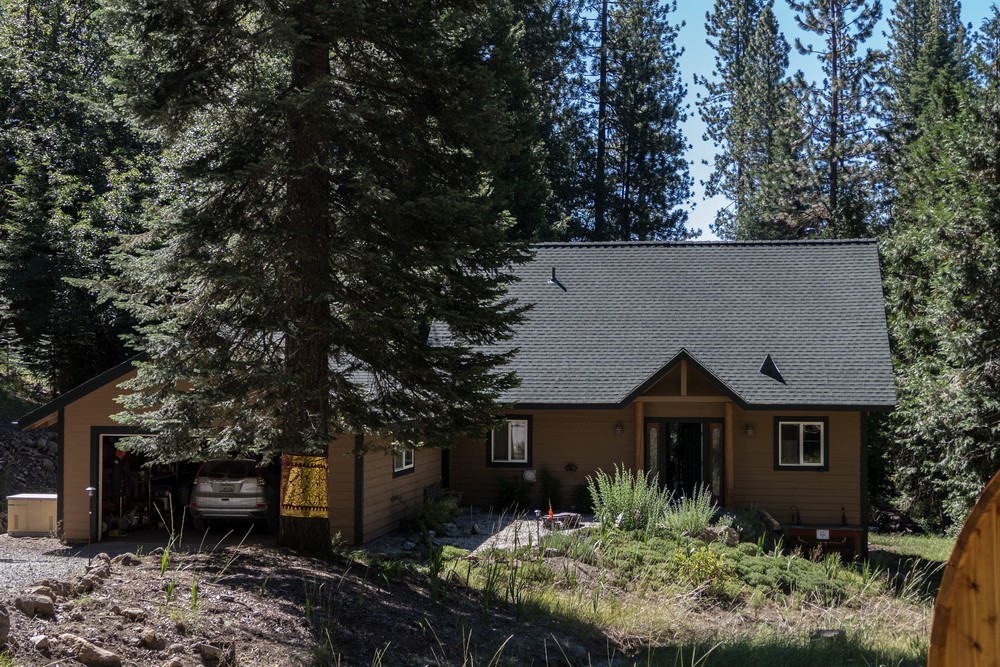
(218, 655)
(152, 640)
(40, 642)
(725, 534)
(134, 614)
(44, 591)
(57, 586)
(89, 654)
(127, 559)
(451, 530)
(33, 605)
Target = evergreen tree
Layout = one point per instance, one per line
(647, 178)
(730, 28)
(325, 204)
(942, 290)
(927, 40)
(63, 154)
(843, 105)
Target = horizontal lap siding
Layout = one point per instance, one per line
(819, 496)
(340, 487)
(389, 499)
(94, 409)
(584, 438)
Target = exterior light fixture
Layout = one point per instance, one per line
(749, 430)
(619, 427)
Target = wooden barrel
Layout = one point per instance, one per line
(966, 630)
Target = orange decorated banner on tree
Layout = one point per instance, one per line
(303, 486)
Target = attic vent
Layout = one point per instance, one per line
(555, 281)
(770, 369)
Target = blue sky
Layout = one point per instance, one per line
(698, 58)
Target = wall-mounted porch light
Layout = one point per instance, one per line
(619, 427)
(749, 430)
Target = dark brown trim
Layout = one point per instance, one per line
(683, 355)
(78, 392)
(60, 469)
(95, 469)
(865, 500)
(490, 463)
(826, 444)
(805, 407)
(359, 489)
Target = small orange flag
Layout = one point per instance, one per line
(550, 509)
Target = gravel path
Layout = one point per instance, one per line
(25, 560)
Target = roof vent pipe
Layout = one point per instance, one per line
(555, 281)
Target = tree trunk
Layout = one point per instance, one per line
(306, 285)
(601, 189)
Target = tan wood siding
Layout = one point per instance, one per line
(340, 486)
(94, 409)
(818, 495)
(584, 438)
(389, 499)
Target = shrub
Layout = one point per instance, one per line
(582, 502)
(513, 493)
(436, 509)
(626, 500)
(551, 488)
(700, 565)
(692, 514)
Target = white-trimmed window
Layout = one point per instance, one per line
(402, 461)
(511, 443)
(801, 444)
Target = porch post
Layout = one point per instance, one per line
(639, 434)
(728, 466)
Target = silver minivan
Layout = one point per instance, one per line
(232, 489)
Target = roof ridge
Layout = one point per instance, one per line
(667, 244)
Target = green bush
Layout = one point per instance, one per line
(551, 489)
(701, 566)
(692, 514)
(435, 510)
(513, 493)
(582, 502)
(626, 500)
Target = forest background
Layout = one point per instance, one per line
(168, 167)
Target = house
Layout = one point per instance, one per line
(749, 369)
(367, 495)
(746, 368)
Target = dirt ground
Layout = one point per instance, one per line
(261, 605)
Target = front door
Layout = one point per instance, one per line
(685, 455)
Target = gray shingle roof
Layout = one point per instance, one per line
(632, 310)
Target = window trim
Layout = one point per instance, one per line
(406, 469)
(823, 423)
(526, 463)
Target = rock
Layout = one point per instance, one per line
(218, 655)
(134, 614)
(44, 591)
(53, 449)
(475, 530)
(48, 465)
(33, 605)
(152, 640)
(127, 559)
(726, 534)
(4, 625)
(40, 642)
(174, 649)
(409, 545)
(451, 530)
(173, 662)
(827, 636)
(85, 584)
(88, 653)
(57, 586)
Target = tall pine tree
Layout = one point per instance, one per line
(943, 294)
(68, 167)
(843, 106)
(326, 198)
(646, 176)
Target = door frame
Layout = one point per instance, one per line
(705, 422)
